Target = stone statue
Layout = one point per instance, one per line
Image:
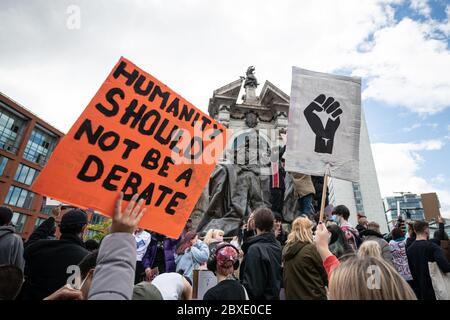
(250, 79)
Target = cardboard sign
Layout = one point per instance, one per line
(202, 282)
(324, 125)
(430, 204)
(136, 136)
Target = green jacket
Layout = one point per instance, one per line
(304, 276)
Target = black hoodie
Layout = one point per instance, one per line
(46, 264)
(260, 271)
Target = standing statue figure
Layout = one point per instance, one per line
(250, 79)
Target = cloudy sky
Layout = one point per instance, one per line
(399, 47)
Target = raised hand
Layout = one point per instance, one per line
(330, 109)
(128, 219)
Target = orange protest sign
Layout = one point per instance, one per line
(136, 136)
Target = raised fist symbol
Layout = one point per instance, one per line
(329, 109)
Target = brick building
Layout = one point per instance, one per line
(26, 143)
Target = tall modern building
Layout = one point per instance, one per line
(410, 206)
(26, 143)
(362, 197)
(266, 117)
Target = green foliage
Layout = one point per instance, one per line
(98, 231)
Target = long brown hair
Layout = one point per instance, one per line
(186, 242)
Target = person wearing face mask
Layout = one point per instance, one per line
(340, 216)
(420, 253)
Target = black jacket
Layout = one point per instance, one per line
(261, 267)
(419, 254)
(46, 263)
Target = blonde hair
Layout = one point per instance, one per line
(368, 278)
(301, 231)
(212, 234)
(370, 248)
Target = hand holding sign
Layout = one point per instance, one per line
(330, 109)
(140, 137)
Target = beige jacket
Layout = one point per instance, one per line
(303, 184)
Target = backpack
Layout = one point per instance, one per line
(352, 237)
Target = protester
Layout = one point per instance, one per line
(420, 253)
(142, 239)
(440, 237)
(188, 227)
(87, 268)
(213, 237)
(362, 223)
(146, 291)
(372, 233)
(260, 271)
(411, 235)
(190, 254)
(47, 260)
(91, 245)
(350, 280)
(173, 286)
(304, 189)
(341, 215)
(338, 243)
(370, 248)
(11, 245)
(224, 261)
(304, 276)
(116, 262)
(248, 229)
(160, 256)
(280, 234)
(277, 180)
(399, 258)
(11, 279)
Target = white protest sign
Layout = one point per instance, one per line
(203, 281)
(324, 125)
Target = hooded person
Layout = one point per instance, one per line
(11, 280)
(260, 271)
(11, 245)
(304, 276)
(372, 233)
(47, 260)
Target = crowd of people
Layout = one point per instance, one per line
(267, 260)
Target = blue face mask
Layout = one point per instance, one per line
(335, 218)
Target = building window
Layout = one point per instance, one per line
(39, 147)
(19, 220)
(19, 197)
(25, 174)
(11, 128)
(3, 163)
(96, 219)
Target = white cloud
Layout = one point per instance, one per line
(421, 6)
(405, 67)
(439, 179)
(413, 127)
(193, 46)
(397, 169)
